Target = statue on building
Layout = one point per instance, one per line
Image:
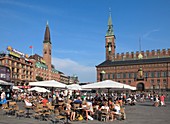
(140, 73)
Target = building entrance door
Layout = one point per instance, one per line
(140, 86)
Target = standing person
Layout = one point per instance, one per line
(162, 100)
(156, 101)
(3, 97)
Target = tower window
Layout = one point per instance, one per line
(45, 52)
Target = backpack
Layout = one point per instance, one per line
(80, 118)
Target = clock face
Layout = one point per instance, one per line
(109, 40)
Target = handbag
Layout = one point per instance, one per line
(113, 109)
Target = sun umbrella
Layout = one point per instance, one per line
(39, 89)
(15, 88)
(104, 85)
(74, 87)
(108, 84)
(49, 83)
(5, 83)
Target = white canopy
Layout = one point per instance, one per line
(74, 87)
(15, 88)
(129, 87)
(107, 84)
(5, 83)
(49, 83)
(39, 89)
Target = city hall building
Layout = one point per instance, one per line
(146, 70)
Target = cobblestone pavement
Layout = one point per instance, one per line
(142, 113)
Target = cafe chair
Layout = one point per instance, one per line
(104, 115)
(57, 118)
(18, 112)
(5, 108)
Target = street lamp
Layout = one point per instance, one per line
(159, 89)
(153, 89)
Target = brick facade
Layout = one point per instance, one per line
(149, 70)
(25, 69)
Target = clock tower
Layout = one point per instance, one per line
(47, 47)
(110, 41)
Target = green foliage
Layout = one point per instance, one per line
(39, 78)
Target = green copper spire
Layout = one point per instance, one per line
(110, 26)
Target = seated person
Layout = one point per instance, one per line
(88, 108)
(106, 107)
(44, 101)
(27, 102)
(117, 107)
(115, 110)
(78, 100)
(39, 99)
(131, 101)
(120, 102)
(70, 111)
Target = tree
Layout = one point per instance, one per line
(39, 78)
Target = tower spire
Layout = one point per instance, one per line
(140, 56)
(110, 17)
(47, 49)
(110, 25)
(110, 40)
(140, 44)
(47, 34)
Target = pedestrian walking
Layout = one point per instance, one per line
(162, 100)
(3, 97)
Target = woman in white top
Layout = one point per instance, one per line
(3, 97)
(116, 107)
(106, 107)
(27, 102)
(87, 107)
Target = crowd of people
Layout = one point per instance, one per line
(89, 104)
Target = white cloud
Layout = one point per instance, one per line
(66, 51)
(149, 33)
(70, 67)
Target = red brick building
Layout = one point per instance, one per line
(25, 69)
(146, 70)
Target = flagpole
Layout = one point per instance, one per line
(32, 51)
(31, 47)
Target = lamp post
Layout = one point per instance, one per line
(153, 89)
(159, 89)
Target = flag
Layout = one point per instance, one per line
(31, 47)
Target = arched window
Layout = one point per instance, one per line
(45, 52)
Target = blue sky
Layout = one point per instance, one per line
(78, 29)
